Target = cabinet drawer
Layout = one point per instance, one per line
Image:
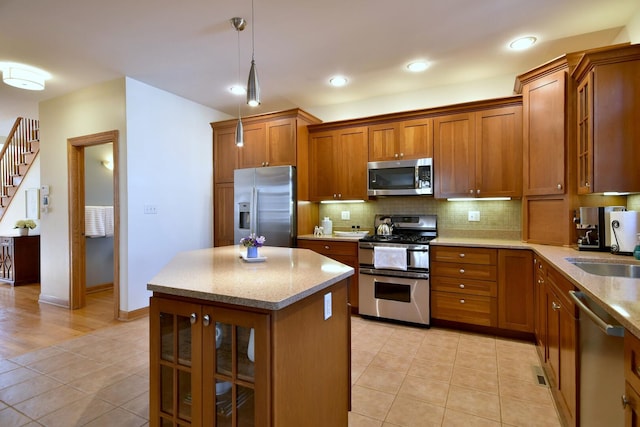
(326, 247)
(632, 360)
(461, 270)
(464, 286)
(464, 308)
(464, 255)
(561, 287)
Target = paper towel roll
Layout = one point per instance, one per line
(624, 235)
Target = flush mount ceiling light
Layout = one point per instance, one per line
(338, 81)
(522, 43)
(417, 66)
(23, 76)
(253, 87)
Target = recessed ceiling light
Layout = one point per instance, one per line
(417, 66)
(237, 90)
(522, 43)
(338, 81)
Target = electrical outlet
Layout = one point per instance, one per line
(474, 215)
(327, 306)
(150, 209)
(345, 215)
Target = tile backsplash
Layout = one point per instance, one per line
(498, 219)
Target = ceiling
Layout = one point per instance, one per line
(190, 49)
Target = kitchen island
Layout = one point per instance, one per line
(237, 342)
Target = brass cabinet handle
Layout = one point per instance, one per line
(625, 402)
(461, 301)
(327, 247)
(461, 255)
(559, 186)
(555, 306)
(461, 286)
(462, 271)
(206, 320)
(193, 318)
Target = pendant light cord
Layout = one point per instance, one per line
(238, 31)
(253, 40)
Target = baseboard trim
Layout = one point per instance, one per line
(49, 299)
(99, 288)
(133, 315)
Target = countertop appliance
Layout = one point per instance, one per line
(624, 228)
(400, 177)
(601, 362)
(394, 269)
(264, 203)
(592, 225)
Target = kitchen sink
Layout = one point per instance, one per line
(609, 268)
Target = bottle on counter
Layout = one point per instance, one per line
(636, 251)
(327, 225)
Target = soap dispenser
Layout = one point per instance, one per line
(327, 225)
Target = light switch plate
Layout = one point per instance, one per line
(474, 215)
(327, 306)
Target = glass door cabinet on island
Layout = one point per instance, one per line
(209, 365)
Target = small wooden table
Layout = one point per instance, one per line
(20, 259)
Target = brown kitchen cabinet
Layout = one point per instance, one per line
(20, 259)
(225, 153)
(464, 285)
(631, 398)
(269, 386)
(223, 213)
(559, 338)
(338, 164)
(187, 363)
(479, 154)
(341, 251)
(607, 109)
(540, 307)
(549, 151)
(401, 140)
(515, 290)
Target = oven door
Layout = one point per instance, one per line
(394, 295)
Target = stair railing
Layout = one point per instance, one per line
(17, 144)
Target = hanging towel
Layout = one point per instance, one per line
(94, 224)
(108, 221)
(390, 257)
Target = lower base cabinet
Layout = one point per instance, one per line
(631, 397)
(221, 365)
(341, 251)
(557, 338)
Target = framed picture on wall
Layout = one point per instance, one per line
(32, 203)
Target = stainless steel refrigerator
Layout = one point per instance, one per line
(264, 203)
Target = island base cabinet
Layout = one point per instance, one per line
(221, 365)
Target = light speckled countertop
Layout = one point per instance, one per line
(619, 296)
(331, 237)
(219, 274)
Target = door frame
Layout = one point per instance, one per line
(77, 244)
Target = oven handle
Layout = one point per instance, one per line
(393, 273)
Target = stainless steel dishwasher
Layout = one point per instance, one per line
(601, 364)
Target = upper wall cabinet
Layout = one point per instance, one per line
(401, 140)
(608, 113)
(338, 164)
(479, 153)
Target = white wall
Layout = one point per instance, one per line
(496, 87)
(169, 165)
(98, 108)
(17, 208)
(633, 28)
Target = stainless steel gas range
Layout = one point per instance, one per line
(394, 269)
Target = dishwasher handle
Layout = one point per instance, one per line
(612, 330)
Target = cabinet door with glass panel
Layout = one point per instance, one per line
(236, 364)
(175, 358)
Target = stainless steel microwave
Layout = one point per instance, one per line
(400, 177)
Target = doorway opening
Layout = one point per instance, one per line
(77, 203)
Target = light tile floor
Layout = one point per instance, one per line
(401, 376)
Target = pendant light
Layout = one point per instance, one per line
(253, 87)
(239, 24)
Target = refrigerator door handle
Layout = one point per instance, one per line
(254, 211)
